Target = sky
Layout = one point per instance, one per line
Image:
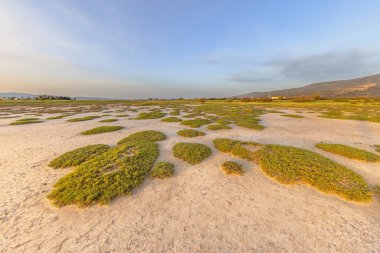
(182, 48)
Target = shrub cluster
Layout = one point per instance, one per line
(162, 170)
(192, 153)
(349, 152)
(102, 129)
(190, 133)
(234, 168)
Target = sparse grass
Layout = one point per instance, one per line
(171, 119)
(78, 156)
(218, 127)
(349, 152)
(108, 120)
(149, 135)
(122, 115)
(292, 116)
(192, 153)
(115, 172)
(151, 115)
(290, 165)
(377, 148)
(26, 121)
(83, 118)
(197, 122)
(190, 133)
(162, 170)
(102, 129)
(234, 168)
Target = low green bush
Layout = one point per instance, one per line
(192, 153)
(108, 120)
(190, 133)
(171, 119)
(149, 135)
(234, 168)
(349, 152)
(26, 121)
(162, 170)
(78, 156)
(83, 118)
(102, 129)
(218, 127)
(236, 148)
(197, 122)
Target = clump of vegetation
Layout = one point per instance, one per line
(83, 118)
(115, 172)
(197, 122)
(26, 121)
(151, 115)
(292, 116)
(234, 168)
(149, 135)
(193, 115)
(102, 129)
(190, 133)
(376, 190)
(218, 127)
(290, 165)
(175, 113)
(349, 152)
(377, 148)
(78, 156)
(236, 148)
(223, 121)
(108, 120)
(162, 170)
(192, 153)
(59, 116)
(171, 119)
(122, 115)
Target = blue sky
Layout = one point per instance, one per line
(178, 48)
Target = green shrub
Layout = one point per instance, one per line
(102, 129)
(149, 135)
(197, 122)
(151, 115)
(122, 115)
(292, 116)
(78, 156)
(115, 172)
(108, 120)
(290, 165)
(236, 148)
(230, 167)
(162, 170)
(83, 118)
(218, 127)
(192, 153)
(349, 152)
(26, 121)
(171, 119)
(190, 133)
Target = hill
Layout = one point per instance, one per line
(368, 86)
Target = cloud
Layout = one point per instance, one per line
(311, 68)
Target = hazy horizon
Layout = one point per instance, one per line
(168, 49)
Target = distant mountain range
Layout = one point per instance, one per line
(368, 86)
(28, 95)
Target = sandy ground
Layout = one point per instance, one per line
(199, 209)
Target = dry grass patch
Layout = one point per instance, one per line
(192, 153)
(349, 152)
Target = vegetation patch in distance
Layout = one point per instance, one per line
(108, 120)
(218, 127)
(190, 133)
(102, 129)
(148, 135)
(171, 119)
(122, 115)
(197, 122)
(349, 152)
(83, 118)
(26, 121)
(150, 115)
(292, 116)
